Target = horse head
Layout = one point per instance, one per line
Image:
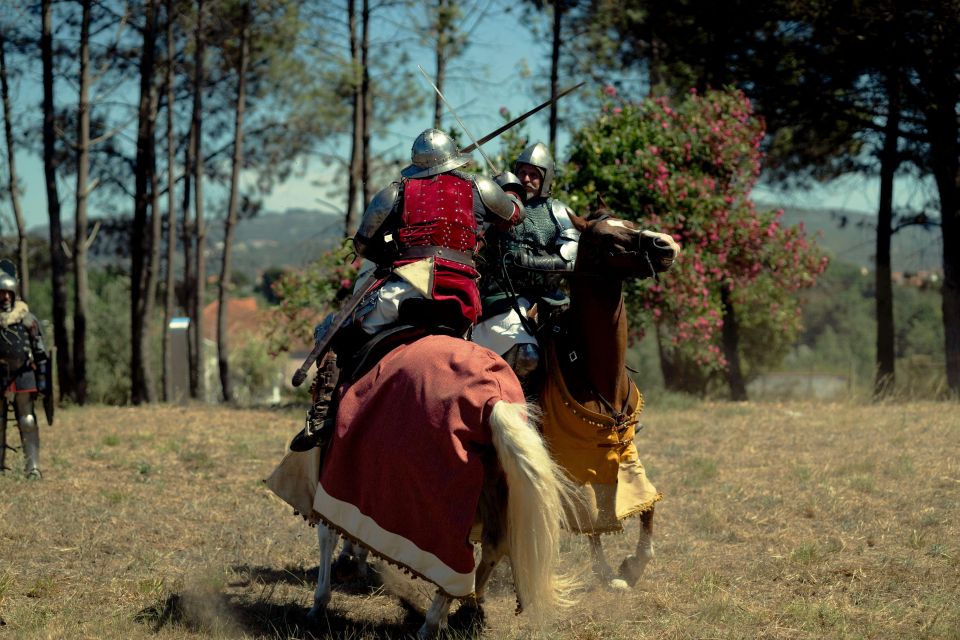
(613, 245)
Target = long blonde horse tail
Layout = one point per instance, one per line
(538, 490)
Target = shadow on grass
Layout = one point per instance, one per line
(345, 581)
(263, 619)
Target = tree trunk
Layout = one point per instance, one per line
(223, 351)
(558, 9)
(889, 160)
(168, 301)
(948, 182)
(152, 280)
(58, 260)
(23, 265)
(943, 132)
(442, 26)
(354, 177)
(198, 364)
(187, 242)
(679, 374)
(367, 101)
(143, 170)
(946, 170)
(730, 335)
(81, 287)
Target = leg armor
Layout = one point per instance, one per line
(29, 434)
(4, 411)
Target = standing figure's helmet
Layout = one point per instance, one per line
(433, 152)
(8, 283)
(538, 155)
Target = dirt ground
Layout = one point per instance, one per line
(778, 521)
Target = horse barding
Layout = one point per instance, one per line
(590, 406)
(436, 436)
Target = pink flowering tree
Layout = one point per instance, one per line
(307, 295)
(728, 308)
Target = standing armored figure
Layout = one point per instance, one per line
(525, 266)
(24, 370)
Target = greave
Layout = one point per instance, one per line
(31, 452)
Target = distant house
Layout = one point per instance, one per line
(246, 323)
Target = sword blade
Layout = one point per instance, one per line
(459, 121)
(493, 134)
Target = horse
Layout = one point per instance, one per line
(590, 405)
(434, 438)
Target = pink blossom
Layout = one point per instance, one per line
(610, 90)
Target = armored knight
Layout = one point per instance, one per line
(524, 266)
(24, 366)
(419, 237)
(423, 231)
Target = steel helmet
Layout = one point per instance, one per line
(538, 155)
(8, 283)
(433, 152)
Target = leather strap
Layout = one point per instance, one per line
(463, 257)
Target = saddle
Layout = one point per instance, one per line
(322, 416)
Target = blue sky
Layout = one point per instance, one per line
(507, 54)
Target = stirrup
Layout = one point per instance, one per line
(308, 438)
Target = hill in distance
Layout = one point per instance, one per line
(850, 237)
(298, 236)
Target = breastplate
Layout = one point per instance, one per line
(14, 346)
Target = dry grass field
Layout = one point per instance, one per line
(779, 521)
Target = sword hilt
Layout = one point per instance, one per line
(298, 377)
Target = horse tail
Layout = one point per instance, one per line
(537, 491)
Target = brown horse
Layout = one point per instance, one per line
(590, 404)
(588, 401)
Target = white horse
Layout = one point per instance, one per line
(520, 501)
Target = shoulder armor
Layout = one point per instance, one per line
(569, 239)
(376, 213)
(495, 200)
(561, 215)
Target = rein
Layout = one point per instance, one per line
(621, 416)
(638, 252)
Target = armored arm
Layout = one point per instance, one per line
(527, 258)
(38, 351)
(369, 241)
(501, 207)
(559, 257)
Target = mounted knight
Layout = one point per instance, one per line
(24, 370)
(419, 237)
(525, 267)
(569, 351)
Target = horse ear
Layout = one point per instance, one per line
(598, 209)
(579, 223)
